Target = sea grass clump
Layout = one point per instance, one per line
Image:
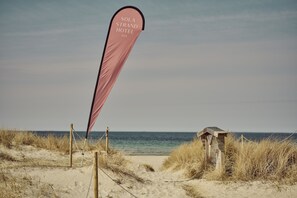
(266, 160)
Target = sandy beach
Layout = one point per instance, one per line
(46, 174)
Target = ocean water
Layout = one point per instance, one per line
(156, 143)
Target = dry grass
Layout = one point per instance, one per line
(16, 184)
(189, 157)
(6, 157)
(192, 191)
(6, 138)
(10, 138)
(114, 161)
(13, 138)
(267, 160)
(10, 186)
(148, 167)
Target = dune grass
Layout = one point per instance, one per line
(148, 167)
(267, 160)
(189, 157)
(6, 157)
(192, 191)
(14, 138)
(10, 186)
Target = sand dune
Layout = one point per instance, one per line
(49, 176)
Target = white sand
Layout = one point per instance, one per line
(56, 179)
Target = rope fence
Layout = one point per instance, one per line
(118, 183)
(242, 140)
(289, 136)
(92, 174)
(242, 137)
(75, 143)
(108, 176)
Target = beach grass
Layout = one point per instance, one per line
(11, 186)
(192, 191)
(188, 156)
(15, 138)
(12, 139)
(148, 167)
(266, 160)
(5, 156)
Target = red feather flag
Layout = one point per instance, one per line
(124, 29)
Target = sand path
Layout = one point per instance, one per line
(52, 178)
(75, 182)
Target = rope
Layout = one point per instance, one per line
(98, 142)
(271, 135)
(102, 136)
(75, 142)
(246, 138)
(83, 150)
(77, 134)
(82, 153)
(118, 183)
(90, 182)
(288, 136)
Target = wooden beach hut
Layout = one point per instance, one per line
(213, 139)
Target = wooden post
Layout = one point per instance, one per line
(96, 191)
(206, 152)
(70, 145)
(221, 152)
(106, 144)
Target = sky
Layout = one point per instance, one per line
(230, 64)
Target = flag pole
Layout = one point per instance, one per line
(90, 125)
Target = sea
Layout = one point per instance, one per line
(156, 143)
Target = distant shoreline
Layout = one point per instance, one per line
(144, 131)
(154, 143)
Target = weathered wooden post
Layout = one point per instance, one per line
(213, 139)
(70, 145)
(206, 152)
(220, 162)
(106, 143)
(96, 190)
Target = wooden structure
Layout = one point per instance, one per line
(213, 139)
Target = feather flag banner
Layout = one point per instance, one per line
(125, 27)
